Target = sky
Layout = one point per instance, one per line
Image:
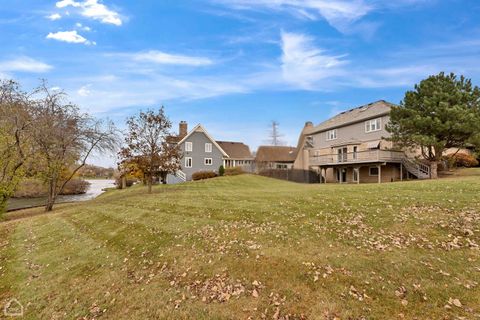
(236, 65)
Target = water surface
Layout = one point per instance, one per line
(95, 189)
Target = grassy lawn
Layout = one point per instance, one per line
(252, 247)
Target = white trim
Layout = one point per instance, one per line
(334, 131)
(368, 124)
(190, 148)
(208, 164)
(191, 162)
(209, 149)
(199, 128)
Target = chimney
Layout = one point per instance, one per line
(308, 124)
(182, 129)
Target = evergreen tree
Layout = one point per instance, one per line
(442, 112)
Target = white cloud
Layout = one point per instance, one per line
(24, 64)
(66, 3)
(93, 9)
(338, 13)
(304, 64)
(54, 16)
(106, 94)
(69, 36)
(160, 57)
(82, 27)
(84, 91)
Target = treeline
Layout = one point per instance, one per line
(91, 171)
(44, 136)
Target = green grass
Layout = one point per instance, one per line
(248, 246)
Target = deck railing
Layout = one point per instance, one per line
(376, 155)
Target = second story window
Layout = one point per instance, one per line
(373, 125)
(332, 134)
(188, 146)
(208, 147)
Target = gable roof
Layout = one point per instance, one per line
(236, 150)
(199, 128)
(365, 112)
(276, 154)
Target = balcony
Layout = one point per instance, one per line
(368, 156)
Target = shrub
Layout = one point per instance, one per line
(234, 171)
(465, 160)
(75, 186)
(201, 175)
(221, 171)
(33, 188)
(30, 188)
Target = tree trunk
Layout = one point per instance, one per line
(149, 183)
(52, 186)
(124, 182)
(3, 206)
(433, 169)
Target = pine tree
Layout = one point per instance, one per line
(441, 112)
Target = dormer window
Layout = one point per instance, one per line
(331, 134)
(373, 125)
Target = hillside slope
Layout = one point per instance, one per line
(248, 246)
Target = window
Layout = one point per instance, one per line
(188, 162)
(282, 166)
(309, 142)
(208, 161)
(355, 174)
(332, 134)
(373, 125)
(188, 146)
(355, 149)
(373, 171)
(208, 147)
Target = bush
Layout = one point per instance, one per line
(30, 188)
(221, 171)
(34, 188)
(76, 186)
(201, 175)
(235, 171)
(463, 160)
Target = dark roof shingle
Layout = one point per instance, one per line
(371, 110)
(276, 154)
(236, 150)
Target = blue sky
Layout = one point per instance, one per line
(236, 65)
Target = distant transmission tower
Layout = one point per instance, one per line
(275, 135)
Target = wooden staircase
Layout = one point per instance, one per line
(416, 168)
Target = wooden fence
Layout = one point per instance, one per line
(295, 175)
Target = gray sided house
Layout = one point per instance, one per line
(200, 152)
(353, 147)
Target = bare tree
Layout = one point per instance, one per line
(65, 139)
(275, 136)
(15, 137)
(148, 147)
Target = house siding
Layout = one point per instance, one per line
(198, 155)
(348, 133)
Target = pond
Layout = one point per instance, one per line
(95, 189)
